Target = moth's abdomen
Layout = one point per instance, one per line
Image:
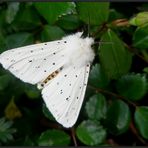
(42, 84)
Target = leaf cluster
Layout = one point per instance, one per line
(115, 110)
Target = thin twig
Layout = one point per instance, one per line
(134, 130)
(133, 50)
(112, 142)
(73, 136)
(46, 123)
(101, 29)
(112, 94)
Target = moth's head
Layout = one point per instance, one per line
(88, 41)
(79, 48)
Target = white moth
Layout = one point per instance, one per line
(60, 68)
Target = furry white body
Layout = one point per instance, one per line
(64, 94)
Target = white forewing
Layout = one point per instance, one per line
(69, 59)
(65, 101)
(34, 63)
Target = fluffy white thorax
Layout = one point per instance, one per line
(78, 50)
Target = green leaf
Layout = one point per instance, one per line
(47, 113)
(69, 22)
(19, 39)
(26, 19)
(145, 70)
(3, 22)
(4, 81)
(54, 138)
(52, 11)
(114, 14)
(132, 86)
(27, 141)
(140, 19)
(50, 33)
(91, 133)
(31, 91)
(141, 120)
(140, 37)
(12, 10)
(114, 57)
(118, 118)
(96, 107)
(95, 13)
(12, 111)
(98, 77)
(2, 43)
(5, 130)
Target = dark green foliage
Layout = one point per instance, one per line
(93, 13)
(6, 130)
(96, 107)
(113, 55)
(141, 120)
(140, 39)
(114, 110)
(59, 9)
(97, 77)
(51, 33)
(53, 138)
(19, 39)
(118, 117)
(132, 86)
(69, 22)
(91, 133)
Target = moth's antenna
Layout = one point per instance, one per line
(100, 42)
(88, 24)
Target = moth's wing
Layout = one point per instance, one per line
(64, 95)
(34, 63)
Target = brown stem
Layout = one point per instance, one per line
(135, 132)
(46, 123)
(113, 94)
(112, 142)
(73, 136)
(120, 22)
(133, 50)
(101, 29)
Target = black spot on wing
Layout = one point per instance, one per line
(37, 67)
